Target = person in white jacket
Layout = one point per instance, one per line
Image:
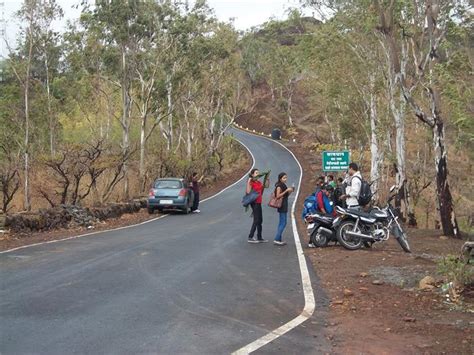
(354, 183)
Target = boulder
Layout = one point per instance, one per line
(427, 283)
(348, 293)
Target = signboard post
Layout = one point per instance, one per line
(336, 161)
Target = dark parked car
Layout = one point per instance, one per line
(170, 193)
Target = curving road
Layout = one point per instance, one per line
(177, 285)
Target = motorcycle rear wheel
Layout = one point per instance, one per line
(319, 239)
(349, 242)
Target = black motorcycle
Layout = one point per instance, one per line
(356, 228)
(320, 228)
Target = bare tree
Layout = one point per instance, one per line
(115, 164)
(9, 177)
(61, 168)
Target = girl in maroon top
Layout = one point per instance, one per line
(254, 184)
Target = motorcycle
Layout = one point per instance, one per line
(320, 228)
(356, 228)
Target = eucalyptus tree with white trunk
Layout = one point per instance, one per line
(397, 104)
(376, 153)
(30, 13)
(47, 46)
(428, 21)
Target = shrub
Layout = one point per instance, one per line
(456, 270)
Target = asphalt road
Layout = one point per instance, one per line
(177, 285)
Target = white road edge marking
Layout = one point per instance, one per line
(310, 303)
(133, 225)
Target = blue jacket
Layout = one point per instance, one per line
(327, 205)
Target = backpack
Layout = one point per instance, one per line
(310, 204)
(365, 195)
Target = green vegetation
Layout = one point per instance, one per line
(130, 92)
(389, 80)
(140, 89)
(456, 270)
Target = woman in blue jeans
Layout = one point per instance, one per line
(282, 191)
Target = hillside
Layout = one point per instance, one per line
(312, 100)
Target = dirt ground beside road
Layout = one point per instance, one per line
(392, 316)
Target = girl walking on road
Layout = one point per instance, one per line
(282, 191)
(254, 184)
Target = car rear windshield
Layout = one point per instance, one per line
(168, 184)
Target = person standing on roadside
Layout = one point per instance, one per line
(195, 181)
(354, 183)
(282, 191)
(254, 184)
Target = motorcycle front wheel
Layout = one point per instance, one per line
(347, 241)
(319, 239)
(401, 239)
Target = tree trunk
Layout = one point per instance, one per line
(290, 103)
(189, 136)
(27, 200)
(375, 155)
(400, 146)
(126, 106)
(169, 92)
(50, 113)
(396, 71)
(330, 125)
(142, 151)
(446, 210)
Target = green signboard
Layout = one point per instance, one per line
(336, 161)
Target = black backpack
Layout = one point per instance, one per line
(365, 195)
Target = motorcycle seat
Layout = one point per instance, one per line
(371, 214)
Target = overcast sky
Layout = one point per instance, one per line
(246, 13)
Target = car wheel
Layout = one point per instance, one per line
(150, 210)
(186, 208)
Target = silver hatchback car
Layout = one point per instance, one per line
(170, 193)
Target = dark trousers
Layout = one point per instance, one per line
(257, 220)
(196, 201)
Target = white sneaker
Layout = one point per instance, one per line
(311, 245)
(196, 211)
